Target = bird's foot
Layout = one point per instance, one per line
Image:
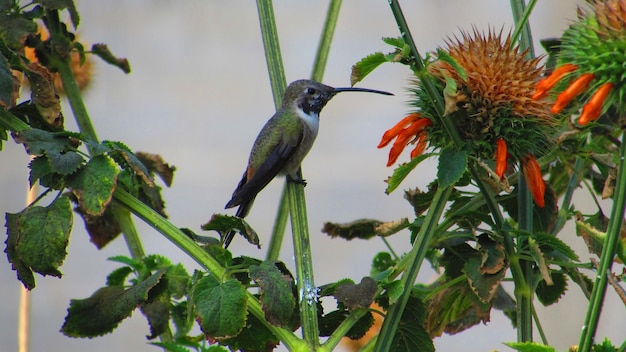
(296, 180)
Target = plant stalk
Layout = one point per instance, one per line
(608, 254)
(416, 258)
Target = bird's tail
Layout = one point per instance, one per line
(242, 212)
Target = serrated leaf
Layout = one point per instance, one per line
(365, 66)
(548, 241)
(128, 160)
(530, 347)
(362, 229)
(102, 50)
(226, 223)
(39, 168)
(277, 298)
(220, 307)
(402, 171)
(44, 95)
(94, 184)
(57, 147)
(411, 334)
(106, 308)
(452, 166)
(43, 236)
(118, 276)
(398, 42)
(157, 313)
(177, 281)
(455, 309)
(360, 295)
(550, 294)
(24, 274)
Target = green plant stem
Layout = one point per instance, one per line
(608, 254)
(271, 46)
(572, 185)
(307, 292)
(323, 48)
(521, 14)
(198, 254)
(12, 122)
(280, 224)
(122, 215)
(416, 257)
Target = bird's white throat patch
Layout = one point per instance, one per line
(312, 120)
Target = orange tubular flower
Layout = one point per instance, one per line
(578, 86)
(394, 131)
(591, 110)
(532, 176)
(501, 156)
(410, 129)
(544, 86)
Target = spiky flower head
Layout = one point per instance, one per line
(590, 65)
(490, 103)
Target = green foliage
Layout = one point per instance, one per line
(106, 308)
(276, 291)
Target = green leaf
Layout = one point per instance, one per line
(106, 308)
(452, 166)
(127, 160)
(226, 223)
(177, 281)
(39, 168)
(102, 229)
(550, 294)
(365, 66)
(43, 236)
(118, 276)
(255, 337)
(9, 85)
(57, 147)
(220, 307)
(454, 309)
(359, 295)
(14, 30)
(277, 296)
(381, 262)
(486, 271)
(411, 335)
(394, 290)
(548, 242)
(61, 5)
(443, 55)
(362, 229)
(530, 347)
(94, 184)
(398, 42)
(102, 50)
(24, 274)
(402, 171)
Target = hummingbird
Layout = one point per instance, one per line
(284, 141)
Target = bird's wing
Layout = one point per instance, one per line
(249, 188)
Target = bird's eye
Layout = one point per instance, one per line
(310, 91)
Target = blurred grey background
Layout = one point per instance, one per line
(199, 93)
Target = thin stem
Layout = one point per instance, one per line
(344, 327)
(416, 257)
(280, 224)
(608, 253)
(323, 48)
(521, 13)
(271, 46)
(122, 215)
(307, 292)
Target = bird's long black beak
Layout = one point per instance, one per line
(354, 89)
